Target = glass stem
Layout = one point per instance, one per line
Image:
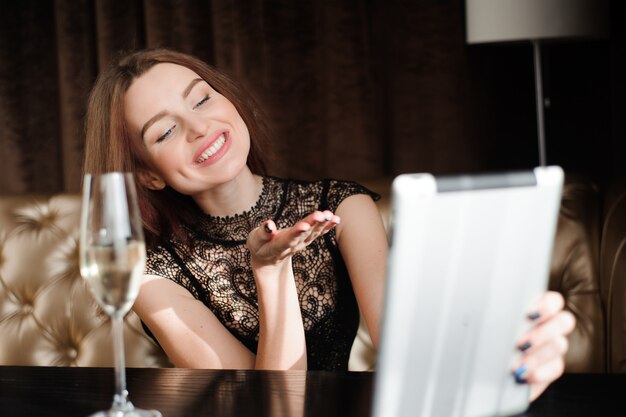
(120, 401)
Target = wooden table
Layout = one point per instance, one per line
(67, 392)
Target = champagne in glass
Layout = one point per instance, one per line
(112, 261)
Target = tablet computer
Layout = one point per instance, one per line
(468, 256)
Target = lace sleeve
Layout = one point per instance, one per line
(337, 191)
(159, 262)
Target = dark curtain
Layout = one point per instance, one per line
(353, 89)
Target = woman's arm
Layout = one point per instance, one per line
(363, 244)
(186, 329)
(282, 343)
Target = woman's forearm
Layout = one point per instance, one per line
(281, 336)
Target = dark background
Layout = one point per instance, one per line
(354, 89)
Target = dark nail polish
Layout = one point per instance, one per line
(534, 316)
(524, 346)
(519, 374)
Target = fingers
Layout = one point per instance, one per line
(307, 230)
(268, 244)
(263, 233)
(544, 345)
(269, 227)
(558, 325)
(542, 363)
(319, 223)
(260, 238)
(541, 378)
(550, 303)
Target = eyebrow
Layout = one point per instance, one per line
(161, 114)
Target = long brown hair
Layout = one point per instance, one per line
(110, 147)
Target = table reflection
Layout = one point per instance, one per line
(226, 393)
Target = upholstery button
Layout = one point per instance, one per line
(72, 353)
(27, 309)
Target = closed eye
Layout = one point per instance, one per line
(201, 102)
(166, 134)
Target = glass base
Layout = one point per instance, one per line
(121, 407)
(136, 412)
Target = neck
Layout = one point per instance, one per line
(233, 197)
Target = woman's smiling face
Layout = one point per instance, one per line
(194, 136)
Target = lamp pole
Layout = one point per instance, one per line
(541, 132)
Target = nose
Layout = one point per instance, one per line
(197, 127)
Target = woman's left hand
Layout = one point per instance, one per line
(544, 345)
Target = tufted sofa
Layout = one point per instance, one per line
(47, 317)
(613, 274)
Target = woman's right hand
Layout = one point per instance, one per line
(270, 246)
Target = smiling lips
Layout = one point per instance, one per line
(212, 150)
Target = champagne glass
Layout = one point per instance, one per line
(112, 261)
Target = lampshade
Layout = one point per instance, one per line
(515, 20)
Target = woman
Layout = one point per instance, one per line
(245, 270)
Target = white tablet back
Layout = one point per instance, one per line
(468, 256)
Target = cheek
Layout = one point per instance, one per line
(241, 125)
(164, 158)
(245, 132)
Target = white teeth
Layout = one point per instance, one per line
(214, 148)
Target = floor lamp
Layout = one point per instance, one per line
(535, 21)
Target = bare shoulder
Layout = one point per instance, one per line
(158, 295)
(359, 212)
(153, 286)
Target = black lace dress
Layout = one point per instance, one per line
(217, 270)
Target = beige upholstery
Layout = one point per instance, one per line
(613, 261)
(575, 273)
(47, 317)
